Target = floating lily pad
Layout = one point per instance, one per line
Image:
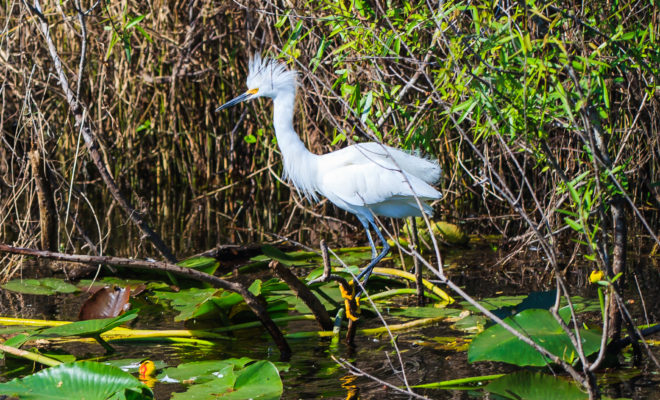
(497, 344)
(45, 286)
(493, 303)
(535, 386)
(191, 303)
(92, 327)
(205, 303)
(260, 380)
(133, 284)
(426, 312)
(201, 370)
(79, 380)
(204, 264)
(538, 300)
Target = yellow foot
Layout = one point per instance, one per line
(351, 303)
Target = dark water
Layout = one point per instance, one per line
(313, 373)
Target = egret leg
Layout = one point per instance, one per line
(374, 252)
(366, 273)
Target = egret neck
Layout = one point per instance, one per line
(300, 165)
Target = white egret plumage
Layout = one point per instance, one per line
(365, 179)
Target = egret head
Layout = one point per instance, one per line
(266, 78)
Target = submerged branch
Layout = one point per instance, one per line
(303, 292)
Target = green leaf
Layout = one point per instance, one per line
(535, 386)
(497, 344)
(576, 226)
(191, 303)
(134, 21)
(45, 286)
(260, 380)
(92, 327)
(201, 371)
(79, 380)
(204, 264)
(277, 254)
(426, 312)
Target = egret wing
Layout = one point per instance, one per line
(369, 184)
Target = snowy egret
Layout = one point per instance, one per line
(365, 179)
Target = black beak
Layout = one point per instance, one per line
(234, 101)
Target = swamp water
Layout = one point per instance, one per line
(430, 353)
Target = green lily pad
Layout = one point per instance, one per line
(497, 344)
(535, 386)
(494, 303)
(79, 380)
(45, 286)
(191, 303)
(205, 303)
(201, 370)
(133, 284)
(204, 264)
(89, 328)
(426, 312)
(260, 380)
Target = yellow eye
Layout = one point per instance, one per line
(253, 91)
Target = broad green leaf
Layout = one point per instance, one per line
(79, 380)
(277, 254)
(88, 328)
(45, 286)
(497, 344)
(204, 264)
(493, 303)
(426, 312)
(260, 380)
(535, 386)
(201, 370)
(192, 303)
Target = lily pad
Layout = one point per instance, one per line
(45, 286)
(426, 312)
(535, 386)
(191, 303)
(260, 380)
(204, 264)
(497, 344)
(79, 380)
(201, 370)
(205, 303)
(92, 327)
